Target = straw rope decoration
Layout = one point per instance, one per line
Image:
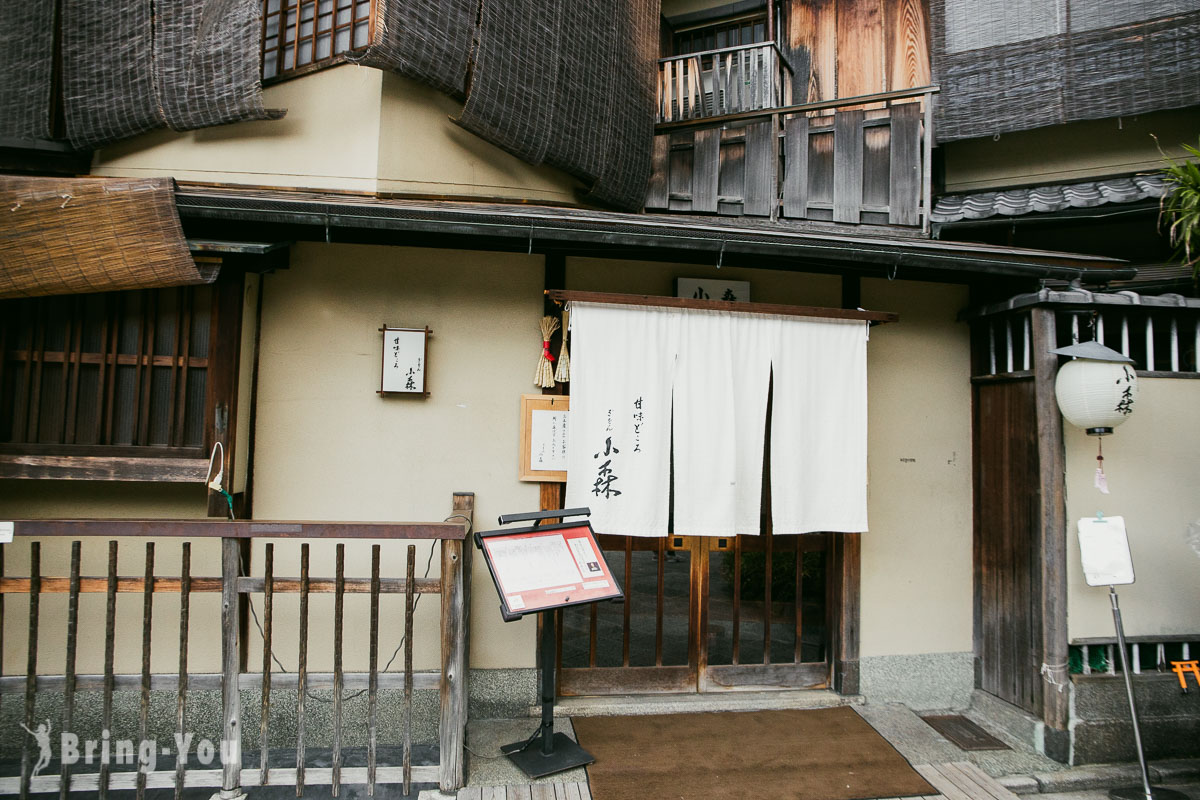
(544, 376)
(562, 373)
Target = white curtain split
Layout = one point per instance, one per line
(644, 378)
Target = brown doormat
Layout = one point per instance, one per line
(819, 754)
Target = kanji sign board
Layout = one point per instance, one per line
(545, 567)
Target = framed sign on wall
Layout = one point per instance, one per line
(405, 362)
(544, 420)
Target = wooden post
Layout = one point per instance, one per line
(231, 736)
(1052, 525)
(456, 599)
(845, 551)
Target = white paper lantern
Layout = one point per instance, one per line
(1096, 391)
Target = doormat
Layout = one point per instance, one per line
(963, 732)
(818, 754)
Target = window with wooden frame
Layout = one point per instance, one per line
(300, 36)
(133, 385)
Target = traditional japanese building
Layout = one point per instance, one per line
(843, 238)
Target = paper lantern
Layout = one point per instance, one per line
(1096, 391)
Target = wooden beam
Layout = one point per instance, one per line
(1052, 527)
(718, 305)
(240, 529)
(104, 468)
(213, 584)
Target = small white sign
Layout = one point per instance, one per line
(548, 441)
(705, 289)
(404, 360)
(6, 532)
(1104, 550)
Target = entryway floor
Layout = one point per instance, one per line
(1019, 771)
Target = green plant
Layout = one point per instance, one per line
(1180, 207)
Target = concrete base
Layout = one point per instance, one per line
(921, 682)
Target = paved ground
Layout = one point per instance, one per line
(1019, 769)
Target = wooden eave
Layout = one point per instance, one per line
(233, 213)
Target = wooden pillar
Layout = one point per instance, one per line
(456, 604)
(1052, 536)
(231, 736)
(845, 572)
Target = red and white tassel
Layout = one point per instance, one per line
(544, 376)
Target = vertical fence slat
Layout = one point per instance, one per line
(302, 668)
(144, 697)
(108, 366)
(373, 678)
(767, 565)
(1174, 345)
(410, 585)
(626, 629)
(268, 616)
(1125, 336)
(799, 604)
(231, 745)
(185, 607)
(35, 589)
(1150, 344)
(338, 609)
(1008, 343)
(1027, 357)
(737, 600)
(110, 624)
(660, 601)
(68, 717)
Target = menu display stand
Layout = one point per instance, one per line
(540, 569)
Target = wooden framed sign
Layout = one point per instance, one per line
(405, 361)
(546, 567)
(544, 419)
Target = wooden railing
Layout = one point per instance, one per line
(713, 83)
(858, 160)
(235, 588)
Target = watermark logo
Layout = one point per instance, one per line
(42, 734)
(127, 752)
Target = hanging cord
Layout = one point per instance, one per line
(396, 652)
(1101, 480)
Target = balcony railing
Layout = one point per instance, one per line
(857, 160)
(713, 83)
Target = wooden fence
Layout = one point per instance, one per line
(713, 83)
(232, 584)
(856, 160)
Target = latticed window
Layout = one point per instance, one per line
(299, 35)
(122, 374)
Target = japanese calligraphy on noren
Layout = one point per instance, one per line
(405, 354)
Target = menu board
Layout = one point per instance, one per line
(551, 566)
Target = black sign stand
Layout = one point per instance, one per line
(556, 751)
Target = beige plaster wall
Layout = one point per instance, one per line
(27, 499)
(449, 159)
(328, 140)
(1069, 153)
(328, 447)
(347, 128)
(1152, 462)
(916, 558)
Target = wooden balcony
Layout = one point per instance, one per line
(714, 83)
(857, 160)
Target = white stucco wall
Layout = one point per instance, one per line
(1152, 462)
